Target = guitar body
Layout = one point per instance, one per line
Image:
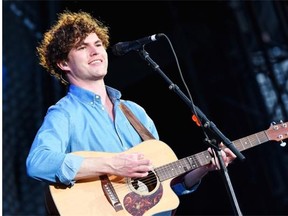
(88, 197)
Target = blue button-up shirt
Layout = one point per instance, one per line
(79, 122)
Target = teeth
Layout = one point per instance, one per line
(95, 61)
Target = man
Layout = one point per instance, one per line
(89, 117)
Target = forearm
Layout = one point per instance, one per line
(128, 165)
(188, 182)
(193, 177)
(93, 167)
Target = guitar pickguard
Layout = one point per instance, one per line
(145, 194)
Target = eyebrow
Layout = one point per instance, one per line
(97, 41)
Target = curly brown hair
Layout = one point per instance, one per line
(70, 29)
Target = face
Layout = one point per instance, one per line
(88, 61)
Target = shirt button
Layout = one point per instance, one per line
(91, 103)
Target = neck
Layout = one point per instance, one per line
(97, 87)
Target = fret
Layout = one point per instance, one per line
(250, 141)
(183, 165)
(203, 157)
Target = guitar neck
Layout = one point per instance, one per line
(251, 141)
(186, 164)
(183, 165)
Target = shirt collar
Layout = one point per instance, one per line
(88, 96)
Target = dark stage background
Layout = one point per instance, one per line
(234, 59)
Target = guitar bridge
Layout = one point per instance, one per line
(110, 193)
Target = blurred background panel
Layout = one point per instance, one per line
(233, 57)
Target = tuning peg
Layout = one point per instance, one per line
(282, 144)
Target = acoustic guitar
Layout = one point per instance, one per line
(116, 195)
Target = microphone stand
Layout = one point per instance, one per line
(207, 125)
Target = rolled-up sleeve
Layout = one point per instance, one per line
(180, 189)
(69, 169)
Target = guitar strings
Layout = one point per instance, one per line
(162, 173)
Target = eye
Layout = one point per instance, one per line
(81, 47)
(98, 44)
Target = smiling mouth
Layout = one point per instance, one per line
(95, 61)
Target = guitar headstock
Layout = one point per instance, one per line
(278, 132)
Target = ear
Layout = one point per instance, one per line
(63, 65)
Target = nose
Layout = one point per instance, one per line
(93, 50)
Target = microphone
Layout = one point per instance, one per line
(122, 48)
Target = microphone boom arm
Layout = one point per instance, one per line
(206, 122)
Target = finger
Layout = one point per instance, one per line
(215, 163)
(224, 157)
(140, 174)
(229, 153)
(221, 145)
(144, 162)
(144, 168)
(140, 156)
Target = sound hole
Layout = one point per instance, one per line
(144, 185)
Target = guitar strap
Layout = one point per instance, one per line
(139, 127)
